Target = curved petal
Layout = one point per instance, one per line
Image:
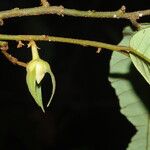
(53, 84)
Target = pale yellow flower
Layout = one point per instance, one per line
(36, 70)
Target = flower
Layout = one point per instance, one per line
(36, 70)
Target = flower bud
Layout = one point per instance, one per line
(36, 70)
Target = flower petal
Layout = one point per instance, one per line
(53, 83)
(40, 71)
(34, 88)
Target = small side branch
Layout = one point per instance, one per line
(45, 3)
(13, 60)
(3, 45)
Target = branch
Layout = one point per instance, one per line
(60, 10)
(4, 48)
(95, 44)
(13, 59)
(62, 40)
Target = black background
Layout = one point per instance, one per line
(84, 113)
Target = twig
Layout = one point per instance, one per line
(45, 3)
(13, 59)
(3, 45)
(95, 44)
(60, 10)
(4, 48)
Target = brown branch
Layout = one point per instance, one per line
(60, 10)
(12, 59)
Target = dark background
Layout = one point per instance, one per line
(84, 113)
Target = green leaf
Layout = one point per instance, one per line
(128, 33)
(139, 40)
(141, 43)
(133, 93)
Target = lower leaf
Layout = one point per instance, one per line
(133, 94)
